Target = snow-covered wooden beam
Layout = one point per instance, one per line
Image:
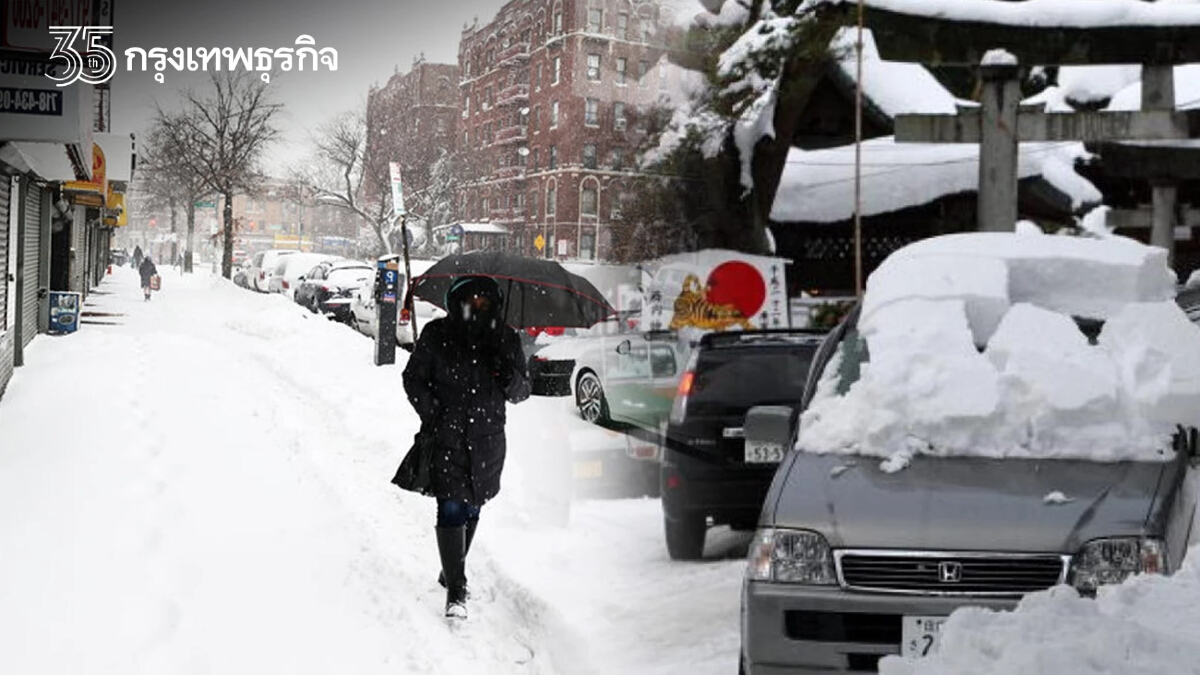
(1143, 218)
(1151, 161)
(965, 127)
(1041, 32)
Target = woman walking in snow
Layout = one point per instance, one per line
(147, 270)
(462, 371)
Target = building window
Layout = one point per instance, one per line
(591, 115)
(551, 200)
(441, 127)
(587, 201)
(554, 157)
(557, 69)
(623, 26)
(467, 106)
(587, 245)
(619, 116)
(536, 158)
(522, 156)
(595, 22)
(618, 159)
(537, 119)
(537, 83)
(593, 67)
(485, 213)
(554, 115)
(621, 65)
(644, 26)
(615, 214)
(589, 156)
(533, 204)
(643, 68)
(558, 22)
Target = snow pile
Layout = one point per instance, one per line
(895, 87)
(998, 57)
(1087, 84)
(1052, 99)
(973, 351)
(818, 185)
(1145, 626)
(1057, 13)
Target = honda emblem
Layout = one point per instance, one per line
(949, 572)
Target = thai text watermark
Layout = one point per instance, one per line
(96, 64)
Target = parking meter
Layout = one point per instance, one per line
(387, 283)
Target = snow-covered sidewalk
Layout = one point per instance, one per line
(202, 487)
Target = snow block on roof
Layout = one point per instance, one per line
(1072, 275)
(817, 186)
(973, 349)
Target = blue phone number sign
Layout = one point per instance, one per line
(31, 101)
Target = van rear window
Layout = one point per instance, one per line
(739, 379)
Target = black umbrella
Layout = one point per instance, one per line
(537, 293)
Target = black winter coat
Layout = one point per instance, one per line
(459, 388)
(147, 270)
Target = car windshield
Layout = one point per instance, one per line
(729, 380)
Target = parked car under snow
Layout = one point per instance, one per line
(1002, 414)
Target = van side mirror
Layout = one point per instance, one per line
(625, 347)
(769, 430)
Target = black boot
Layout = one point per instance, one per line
(452, 544)
(471, 524)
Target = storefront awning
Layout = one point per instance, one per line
(48, 161)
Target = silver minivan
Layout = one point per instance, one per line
(851, 563)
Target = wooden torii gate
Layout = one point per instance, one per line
(905, 34)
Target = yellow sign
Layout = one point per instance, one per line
(116, 209)
(98, 184)
(540, 242)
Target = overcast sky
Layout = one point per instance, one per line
(373, 38)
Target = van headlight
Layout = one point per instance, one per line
(792, 557)
(1110, 561)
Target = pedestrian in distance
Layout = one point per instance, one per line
(137, 257)
(147, 270)
(462, 371)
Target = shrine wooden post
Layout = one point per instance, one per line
(904, 33)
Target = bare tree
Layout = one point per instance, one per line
(221, 135)
(172, 182)
(344, 174)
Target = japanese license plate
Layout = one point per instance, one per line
(919, 635)
(760, 452)
(592, 469)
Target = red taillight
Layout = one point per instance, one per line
(673, 481)
(326, 289)
(261, 275)
(405, 315)
(286, 285)
(685, 384)
(555, 331)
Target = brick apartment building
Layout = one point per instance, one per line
(411, 120)
(550, 97)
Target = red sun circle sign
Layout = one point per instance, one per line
(739, 284)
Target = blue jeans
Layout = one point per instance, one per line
(455, 513)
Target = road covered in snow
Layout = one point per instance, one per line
(199, 484)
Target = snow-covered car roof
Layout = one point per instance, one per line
(974, 345)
